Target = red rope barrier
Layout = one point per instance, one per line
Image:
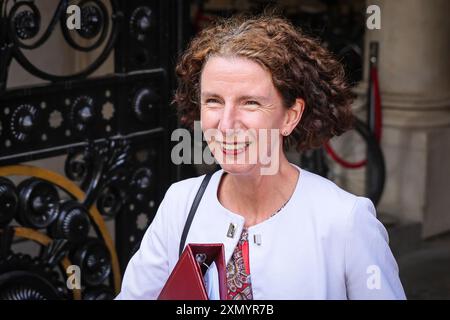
(375, 88)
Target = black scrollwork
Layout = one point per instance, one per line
(21, 22)
(93, 21)
(109, 161)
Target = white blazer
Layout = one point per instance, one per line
(324, 244)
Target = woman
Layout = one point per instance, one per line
(294, 235)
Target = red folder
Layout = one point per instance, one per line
(186, 280)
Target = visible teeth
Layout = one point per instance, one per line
(237, 146)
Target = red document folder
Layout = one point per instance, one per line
(186, 280)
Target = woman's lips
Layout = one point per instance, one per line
(233, 148)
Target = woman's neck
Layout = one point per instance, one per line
(256, 197)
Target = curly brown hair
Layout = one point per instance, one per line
(299, 65)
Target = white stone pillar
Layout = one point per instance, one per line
(414, 73)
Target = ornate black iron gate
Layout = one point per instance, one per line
(115, 131)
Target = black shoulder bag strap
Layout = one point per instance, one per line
(197, 199)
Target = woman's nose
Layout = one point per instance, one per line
(228, 121)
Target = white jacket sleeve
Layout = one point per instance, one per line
(148, 269)
(370, 267)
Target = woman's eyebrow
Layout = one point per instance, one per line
(210, 94)
(251, 97)
(244, 97)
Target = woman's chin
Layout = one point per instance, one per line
(238, 169)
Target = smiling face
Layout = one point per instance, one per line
(238, 99)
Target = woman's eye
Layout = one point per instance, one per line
(252, 102)
(212, 101)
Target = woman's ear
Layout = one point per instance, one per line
(293, 116)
